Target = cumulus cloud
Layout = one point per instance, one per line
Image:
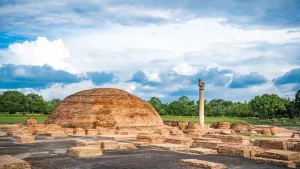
(291, 77)
(39, 52)
(150, 48)
(40, 77)
(243, 81)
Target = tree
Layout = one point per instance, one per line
(1, 104)
(156, 103)
(176, 108)
(297, 103)
(52, 104)
(13, 102)
(218, 106)
(237, 110)
(36, 103)
(268, 106)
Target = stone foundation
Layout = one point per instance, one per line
(202, 164)
(202, 151)
(9, 162)
(84, 151)
(289, 164)
(169, 147)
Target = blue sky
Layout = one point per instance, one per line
(151, 48)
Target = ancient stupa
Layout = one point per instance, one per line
(104, 107)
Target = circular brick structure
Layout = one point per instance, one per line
(104, 107)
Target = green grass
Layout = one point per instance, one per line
(211, 120)
(12, 119)
(254, 137)
(239, 120)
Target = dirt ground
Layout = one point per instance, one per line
(50, 154)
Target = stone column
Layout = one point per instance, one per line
(201, 102)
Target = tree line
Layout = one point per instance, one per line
(266, 106)
(13, 102)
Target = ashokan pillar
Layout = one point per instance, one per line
(201, 102)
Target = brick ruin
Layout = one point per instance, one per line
(104, 107)
(95, 114)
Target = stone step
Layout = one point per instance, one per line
(127, 146)
(207, 144)
(118, 137)
(84, 151)
(202, 151)
(202, 164)
(289, 164)
(271, 143)
(168, 146)
(80, 143)
(281, 155)
(239, 150)
(140, 144)
(179, 140)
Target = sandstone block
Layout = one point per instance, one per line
(241, 128)
(151, 138)
(9, 162)
(82, 143)
(2, 133)
(289, 164)
(271, 144)
(91, 132)
(25, 138)
(202, 151)
(56, 134)
(182, 124)
(169, 147)
(31, 122)
(296, 135)
(207, 144)
(109, 145)
(202, 164)
(281, 155)
(69, 131)
(118, 137)
(84, 151)
(127, 146)
(194, 125)
(180, 140)
(79, 132)
(140, 144)
(266, 132)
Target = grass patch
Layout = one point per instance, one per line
(239, 120)
(16, 118)
(254, 137)
(211, 120)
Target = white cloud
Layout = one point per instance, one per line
(184, 69)
(183, 47)
(39, 52)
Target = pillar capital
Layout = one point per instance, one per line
(201, 84)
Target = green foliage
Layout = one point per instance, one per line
(265, 107)
(36, 103)
(51, 105)
(13, 102)
(268, 106)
